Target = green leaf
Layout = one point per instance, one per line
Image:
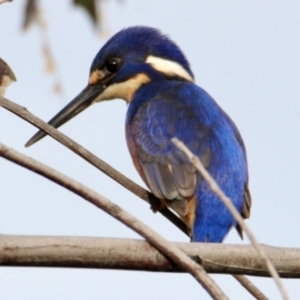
(90, 7)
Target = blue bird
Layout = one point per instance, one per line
(149, 71)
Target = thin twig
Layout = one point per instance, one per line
(33, 14)
(92, 159)
(227, 202)
(157, 241)
(249, 286)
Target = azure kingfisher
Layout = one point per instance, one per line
(149, 71)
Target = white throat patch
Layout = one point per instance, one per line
(168, 67)
(124, 90)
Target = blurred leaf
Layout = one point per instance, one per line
(30, 13)
(90, 7)
(7, 76)
(57, 88)
(3, 1)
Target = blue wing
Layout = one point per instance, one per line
(164, 168)
(185, 111)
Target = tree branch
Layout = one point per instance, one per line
(23, 113)
(250, 287)
(131, 254)
(157, 241)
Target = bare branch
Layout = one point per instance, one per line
(227, 202)
(157, 241)
(92, 159)
(132, 254)
(250, 287)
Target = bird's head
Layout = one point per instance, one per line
(131, 58)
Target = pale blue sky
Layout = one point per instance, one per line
(245, 54)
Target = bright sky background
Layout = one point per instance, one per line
(246, 55)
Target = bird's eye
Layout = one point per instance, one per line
(112, 65)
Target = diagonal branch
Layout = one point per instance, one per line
(227, 202)
(157, 241)
(250, 287)
(23, 113)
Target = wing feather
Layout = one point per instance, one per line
(160, 180)
(184, 181)
(166, 170)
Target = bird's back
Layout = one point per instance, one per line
(183, 110)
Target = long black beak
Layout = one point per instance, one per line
(80, 103)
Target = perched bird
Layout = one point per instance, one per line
(149, 71)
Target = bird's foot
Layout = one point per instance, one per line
(196, 258)
(156, 204)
